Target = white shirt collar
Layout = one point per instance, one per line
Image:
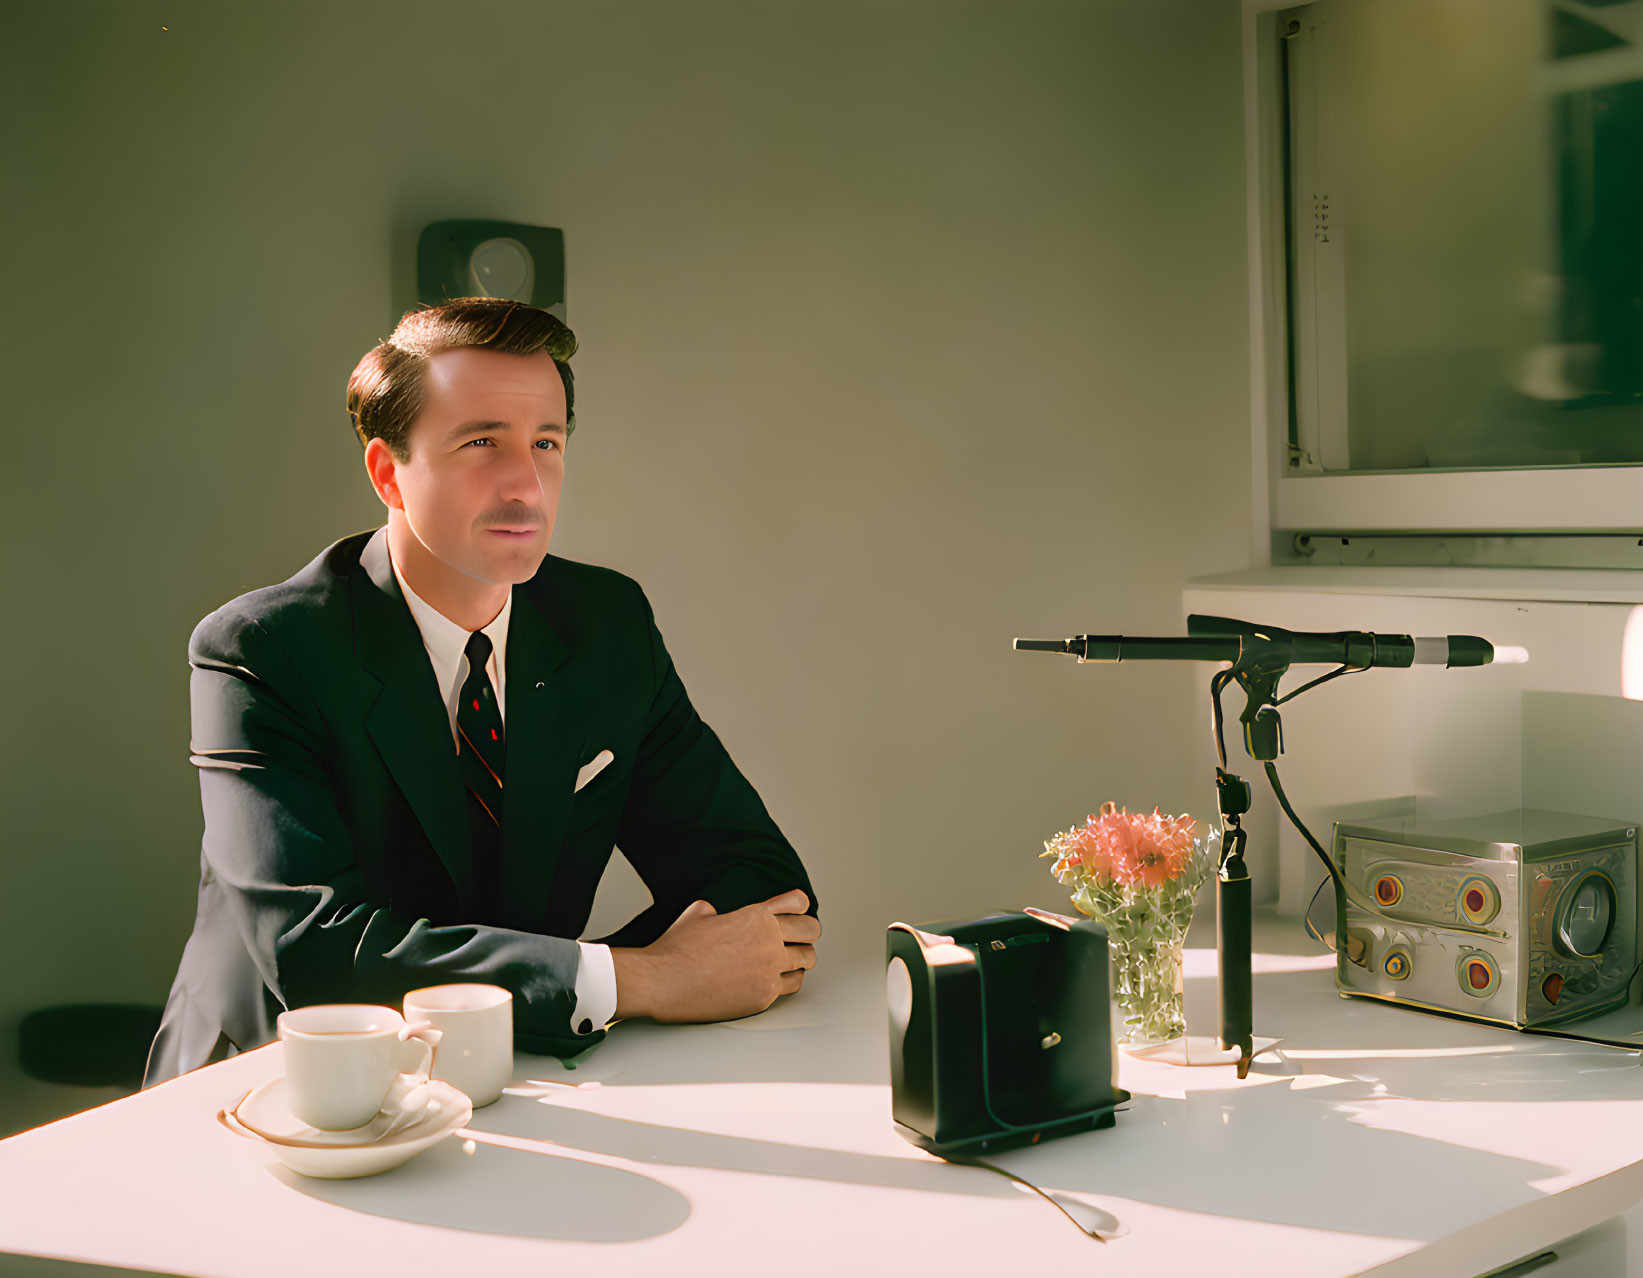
(446, 642)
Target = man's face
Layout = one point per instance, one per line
(487, 457)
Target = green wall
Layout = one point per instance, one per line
(906, 328)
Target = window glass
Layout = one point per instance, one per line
(1466, 233)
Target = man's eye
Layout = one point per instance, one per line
(483, 439)
(551, 443)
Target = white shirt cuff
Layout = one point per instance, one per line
(595, 989)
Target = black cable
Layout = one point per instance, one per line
(1217, 685)
(1333, 674)
(1329, 861)
(1283, 802)
(1312, 931)
(1583, 1038)
(967, 1160)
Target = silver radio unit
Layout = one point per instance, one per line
(1523, 918)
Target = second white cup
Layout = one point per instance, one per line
(476, 1022)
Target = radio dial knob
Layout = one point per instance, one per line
(1586, 915)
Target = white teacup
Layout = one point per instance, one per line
(476, 1052)
(341, 1059)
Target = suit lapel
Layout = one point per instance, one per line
(409, 723)
(546, 730)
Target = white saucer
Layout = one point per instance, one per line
(266, 1112)
(424, 1115)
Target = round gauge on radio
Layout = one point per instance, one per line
(1477, 974)
(1586, 914)
(1388, 889)
(1479, 900)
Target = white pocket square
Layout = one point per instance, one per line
(593, 768)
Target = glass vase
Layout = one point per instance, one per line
(1146, 985)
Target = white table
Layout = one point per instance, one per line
(1386, 1141)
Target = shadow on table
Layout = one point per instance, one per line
(1248, 1151)
(1240, 1154)
(498, 1190)
(1247, 1155)
(1244, 1150)
(13, 1265)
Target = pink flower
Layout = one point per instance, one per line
(1128, 848)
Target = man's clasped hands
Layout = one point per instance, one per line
(717, 967)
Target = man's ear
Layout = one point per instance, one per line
(380, 466)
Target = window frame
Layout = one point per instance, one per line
(1525, 500)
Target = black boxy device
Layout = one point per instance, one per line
(1000, 1030)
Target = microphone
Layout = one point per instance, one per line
(1227, 639)
(1258, 657)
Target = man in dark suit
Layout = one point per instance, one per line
(417, 753)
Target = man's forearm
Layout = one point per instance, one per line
(635, 984)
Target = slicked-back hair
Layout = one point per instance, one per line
(387, 388)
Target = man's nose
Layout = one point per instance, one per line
(520, 482)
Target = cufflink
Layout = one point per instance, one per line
(586, 1027)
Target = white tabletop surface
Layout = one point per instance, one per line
(1383, 1141)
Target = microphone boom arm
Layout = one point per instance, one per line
(1256, 658)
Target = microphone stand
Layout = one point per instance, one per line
(1257, 669)
(1259, 658)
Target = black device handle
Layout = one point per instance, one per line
(1234, 895)
(1234, 919)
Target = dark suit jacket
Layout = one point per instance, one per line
(335, 865)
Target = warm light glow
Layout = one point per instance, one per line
(949, 955)
(1384, 1053)
(1631, 656)
(1197, 963)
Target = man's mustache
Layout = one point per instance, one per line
(515, 519)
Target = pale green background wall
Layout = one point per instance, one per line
(906, 328)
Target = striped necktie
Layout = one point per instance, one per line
(479, 751)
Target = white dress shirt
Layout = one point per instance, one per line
(446, 643)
